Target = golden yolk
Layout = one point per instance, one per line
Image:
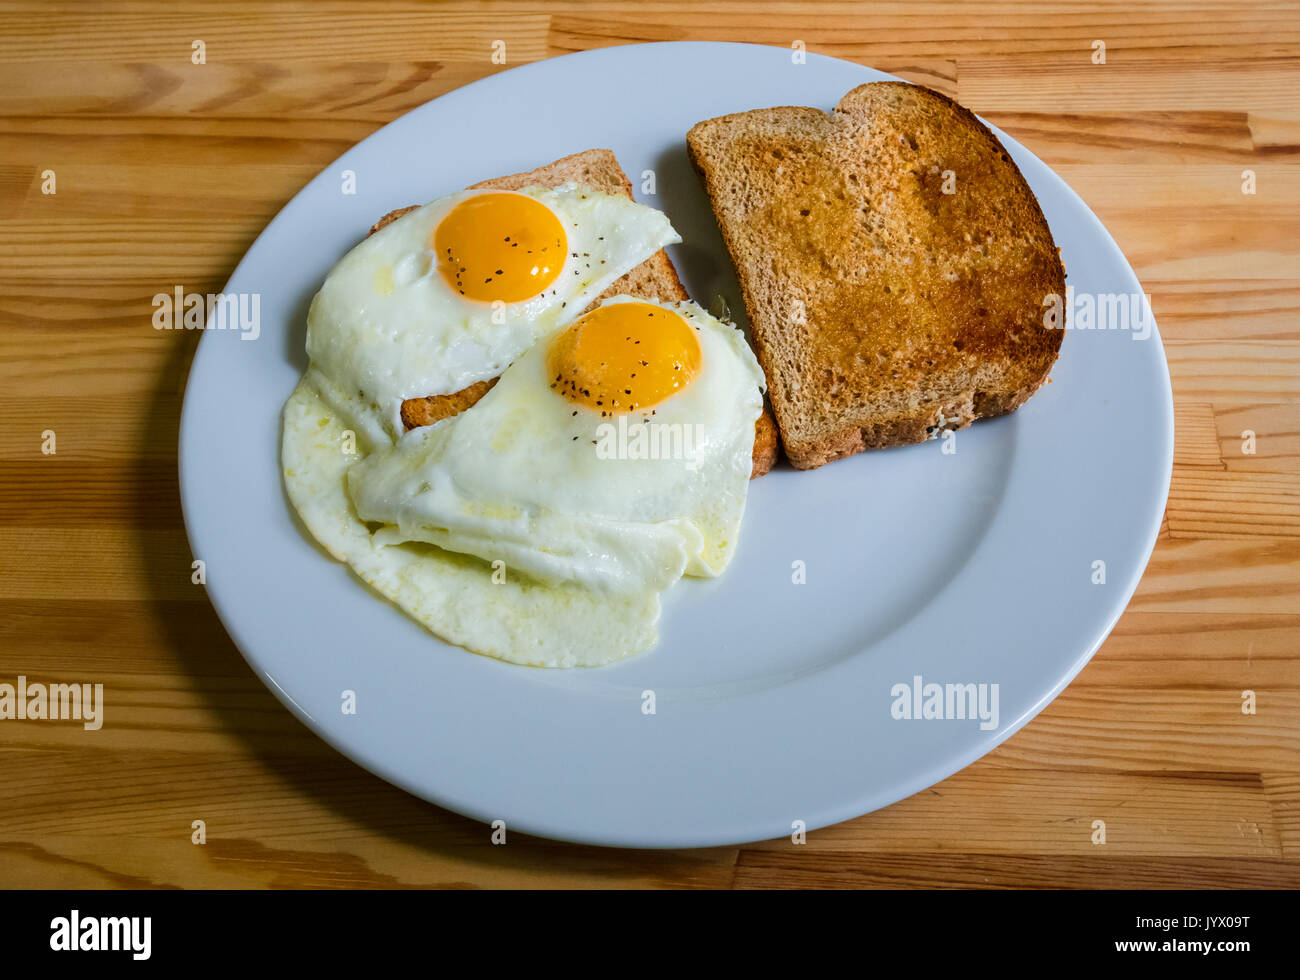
(622, 357)
(500, 246)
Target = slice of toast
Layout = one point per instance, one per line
(893, 262)
(655, 278)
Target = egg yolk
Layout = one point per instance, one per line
(500, 246)
(622, 357)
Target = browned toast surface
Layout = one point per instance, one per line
(655, 278)
(893, 263)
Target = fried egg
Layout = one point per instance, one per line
(609, 460)
(453, 292)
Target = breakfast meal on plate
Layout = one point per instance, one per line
(517, 426)
(893, 263)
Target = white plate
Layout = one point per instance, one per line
(773, 700)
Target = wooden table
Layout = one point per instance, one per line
(165, 171)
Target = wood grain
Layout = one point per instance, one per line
(168, 170)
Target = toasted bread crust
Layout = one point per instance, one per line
(655, 278)
(767, 444)
(390, 217)
(893, 263)
(434, 408)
